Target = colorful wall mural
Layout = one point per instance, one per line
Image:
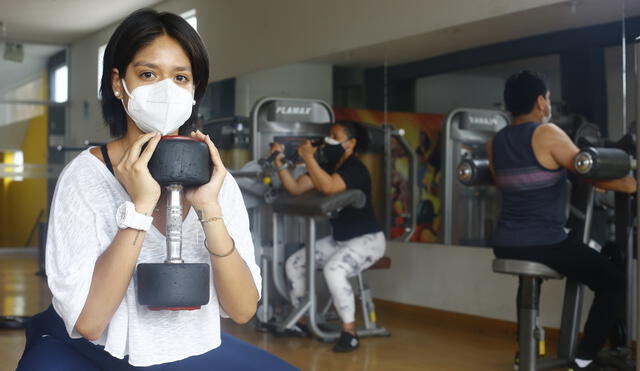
(422, 131)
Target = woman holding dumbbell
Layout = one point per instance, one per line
(108, 215)
(356, 242)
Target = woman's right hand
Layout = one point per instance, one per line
(133, 173)
(277, 147)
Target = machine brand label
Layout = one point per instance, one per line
(293, 110)
(480, 120)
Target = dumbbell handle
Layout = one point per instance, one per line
(270, 159)
(603, 163)
(174, 224)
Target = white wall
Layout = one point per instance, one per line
(481, 87)
(459, 279)
(85, 115)
(442, 93)
(301, 80)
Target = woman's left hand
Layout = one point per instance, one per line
(306, 149)
(206, 196)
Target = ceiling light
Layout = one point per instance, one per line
(13, 51)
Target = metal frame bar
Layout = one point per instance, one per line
(637, 70)
(449, 169)
(35, 102)
(277, 260)
(413, 166)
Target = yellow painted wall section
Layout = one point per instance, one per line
(27, 198)
(22, 201)
(3, 204)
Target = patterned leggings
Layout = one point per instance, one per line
(340, 260)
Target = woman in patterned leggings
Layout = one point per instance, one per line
(356, 241)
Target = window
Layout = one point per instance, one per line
(190, 17)
(18, 165)
(61, 84)
(100, 58)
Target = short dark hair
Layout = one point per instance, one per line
(355, 130)
(522, 90)
(138, 30)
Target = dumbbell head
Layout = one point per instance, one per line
(602, 163)
(181, 160)
(473, 172)
(170, 286)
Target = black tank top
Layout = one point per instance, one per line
(107, 160)
(533, 197)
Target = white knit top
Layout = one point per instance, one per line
(82, 225)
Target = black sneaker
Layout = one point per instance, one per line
(298, 330)
(590, 367)
(347, 342)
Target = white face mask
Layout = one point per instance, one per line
(547, 118)
(159, 107)
(331, 141)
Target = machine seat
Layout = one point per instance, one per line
(524, 268)
(382, 263)
(314, 204)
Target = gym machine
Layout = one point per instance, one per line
(290, 122)
(614, 161)
(312, 206)
(469, 213)
(476, 172)
(617, 160)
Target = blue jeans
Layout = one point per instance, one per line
(49, 348)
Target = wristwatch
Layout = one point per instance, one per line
(128, 217)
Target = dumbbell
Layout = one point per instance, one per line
(603, 163)
(473, 172)
(177, 162)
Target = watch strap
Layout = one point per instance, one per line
(140, 221)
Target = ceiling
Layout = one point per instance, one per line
(556, 17)
(44, 27)
(62, 21)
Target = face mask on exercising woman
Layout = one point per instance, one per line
(333, 150)
(159, 107)
(547, 118)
